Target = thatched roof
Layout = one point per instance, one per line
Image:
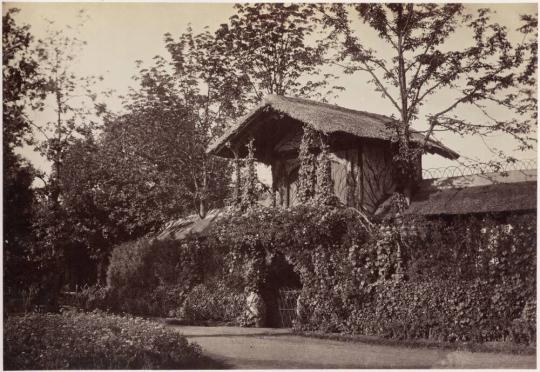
(325, 118)
(501, 197)
(193, 224)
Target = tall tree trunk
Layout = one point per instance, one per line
(403, 131)
(407, 163)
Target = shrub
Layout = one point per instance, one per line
(91, 298)
(75, 340)
(212, 302)
(151, 277)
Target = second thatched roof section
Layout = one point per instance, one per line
(324, 118)
(495, 198)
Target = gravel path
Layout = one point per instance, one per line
(264, 348)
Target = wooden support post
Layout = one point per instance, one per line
(238, 181)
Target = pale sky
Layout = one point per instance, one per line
(118, 34)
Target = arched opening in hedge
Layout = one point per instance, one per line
(280, 287)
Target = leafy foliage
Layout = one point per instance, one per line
(476, 273)
(267, 46)
(249, 195)
(466, 248)
(167, 279)
(89, 299)
(18, 213)
(147, 167)
(71, 101)
(152, 277)
(72, 97)
(170, 125)
(86, 340)
(307, 174)
(22, 89)
(443, 310)
(22, 84)
(416, 59)
(201, 65)
(467, 279)
(212, 302)
(325, 185)
(315, 240)
(94, 229)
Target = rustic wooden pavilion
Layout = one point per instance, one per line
(361, 148)
(361, 152)
(362, 170)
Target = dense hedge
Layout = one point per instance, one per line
(212, 302)
(95, 341)
(166, 278)
(331, 250)
(468, 247)
(152, 277)
(444, 310)
(460, 279)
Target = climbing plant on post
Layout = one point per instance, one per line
(325, 187)
(237, 196)
(249, 195)
(307, 174)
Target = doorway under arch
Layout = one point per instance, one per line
(281, 289)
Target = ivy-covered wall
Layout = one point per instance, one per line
(467, 279)
(463, 279)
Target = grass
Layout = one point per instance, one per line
(76, 340)
(489, 347)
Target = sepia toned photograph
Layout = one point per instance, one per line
(269, 185)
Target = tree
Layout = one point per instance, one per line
(261, 50)
(93, 228)
(145, 168)
(270, 48)
(72, 97)
(18, 215)
(169, 128)
(421, 62)
(21, 90)
(206, 85)
(76, 112)
(22, 84)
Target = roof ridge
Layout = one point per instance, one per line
(268, 100)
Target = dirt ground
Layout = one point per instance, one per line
(264, 348)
